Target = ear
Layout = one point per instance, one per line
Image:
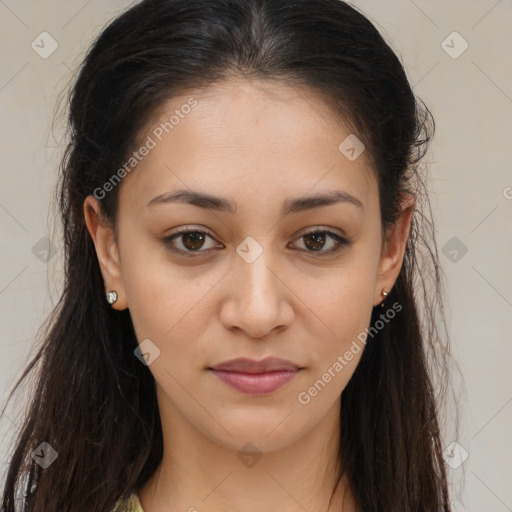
(107, 250)
(394, 248)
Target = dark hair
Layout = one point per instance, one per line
(94, 402)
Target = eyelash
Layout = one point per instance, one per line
(340, 241)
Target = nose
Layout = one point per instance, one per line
(259, 298)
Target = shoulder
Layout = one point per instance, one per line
(129, 504)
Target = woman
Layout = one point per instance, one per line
(242, 326)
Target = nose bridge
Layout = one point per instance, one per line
(253, 272)
(257, 295)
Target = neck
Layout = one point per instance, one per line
(198, 473)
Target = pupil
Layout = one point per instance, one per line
(320, 239)
(196, 238)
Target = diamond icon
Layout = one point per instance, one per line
(454, 249)
(249, 249)
(249, 455)
(455, 455)
(352, 147)
(454, 45)
(44, 455)
(44, 45)
(147, 352)
(44, 250)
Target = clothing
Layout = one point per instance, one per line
(130, 504)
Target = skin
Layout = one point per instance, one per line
(257, 144)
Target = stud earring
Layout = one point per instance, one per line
(385, 293)
(111, 297)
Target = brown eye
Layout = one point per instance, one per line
(191, 241)
(316, 240)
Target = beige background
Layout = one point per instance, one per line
(471, 99)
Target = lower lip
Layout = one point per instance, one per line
(256, 383)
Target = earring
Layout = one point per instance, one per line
(385, 293)
(111, 297)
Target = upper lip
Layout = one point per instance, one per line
(244, 365)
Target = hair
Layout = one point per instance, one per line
(93, 401)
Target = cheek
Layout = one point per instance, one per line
(341, 296)
(172, 305)
(335, 352)
(167, 305)
(338, 314)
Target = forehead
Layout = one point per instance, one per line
(242, 136)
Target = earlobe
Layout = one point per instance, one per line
(103, 237)
(394, 248)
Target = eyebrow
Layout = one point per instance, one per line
(222, 204)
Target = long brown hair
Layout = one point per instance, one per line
(93, 402)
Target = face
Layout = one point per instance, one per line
(207, 283)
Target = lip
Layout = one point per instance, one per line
(245, 365)
(256, 383)
(256, 377)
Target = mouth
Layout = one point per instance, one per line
(245, 365)
(256, 377)
(256, 383)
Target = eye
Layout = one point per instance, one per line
(192, 241)
(317, 239)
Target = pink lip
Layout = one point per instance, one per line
(256, 377)
(256, 383)
(244, 365)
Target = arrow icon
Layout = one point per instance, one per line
(249, 249)
(150, 354)
(44, 45)
(454, 45)
(351, 147)
(44, 455)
